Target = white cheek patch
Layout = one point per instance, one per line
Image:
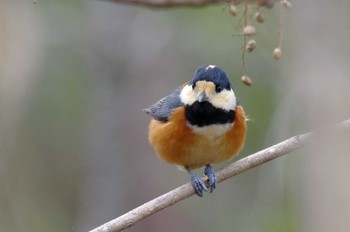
(187, 95)
(211, 131)
(226, 100)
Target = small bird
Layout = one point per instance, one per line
(200, 123)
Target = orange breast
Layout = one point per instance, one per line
(175, 142)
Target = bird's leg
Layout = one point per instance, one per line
(209, 172)
(197, 183)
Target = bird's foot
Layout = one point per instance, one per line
(209, 172)
(198, 184)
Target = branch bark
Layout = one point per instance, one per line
(191, 3)
(170, 3)
(186, 190)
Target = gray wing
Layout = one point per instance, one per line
(163, 108)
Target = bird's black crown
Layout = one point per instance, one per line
(214, 74)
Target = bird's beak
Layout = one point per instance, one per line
(202, 97)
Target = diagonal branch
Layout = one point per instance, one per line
(186, 190)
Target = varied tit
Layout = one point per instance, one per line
(199, 124)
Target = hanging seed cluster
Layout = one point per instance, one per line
(251, 15)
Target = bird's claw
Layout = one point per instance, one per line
(198, 184)
(209, 172)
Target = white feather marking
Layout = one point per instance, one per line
(211, 131)
(210, 67)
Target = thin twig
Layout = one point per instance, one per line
(281, 25)
(245, 23)
(186, 190)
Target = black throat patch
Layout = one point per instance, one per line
(204, 114)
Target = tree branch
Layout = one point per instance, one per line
(186, 190)
(169, 3)
(191, 3)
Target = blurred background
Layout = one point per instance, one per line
(75, 76)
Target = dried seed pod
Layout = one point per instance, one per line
(249, 30)
(233, 10)
(277, 53)
(251, 44)
(235, 2)
(259, 17)
(246, 80)
(266, 3)
(286, 4)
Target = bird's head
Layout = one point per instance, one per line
(209, 85)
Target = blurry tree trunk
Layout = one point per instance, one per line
(321, 83)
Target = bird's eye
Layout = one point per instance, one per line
(218, 89)
(193, 85)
